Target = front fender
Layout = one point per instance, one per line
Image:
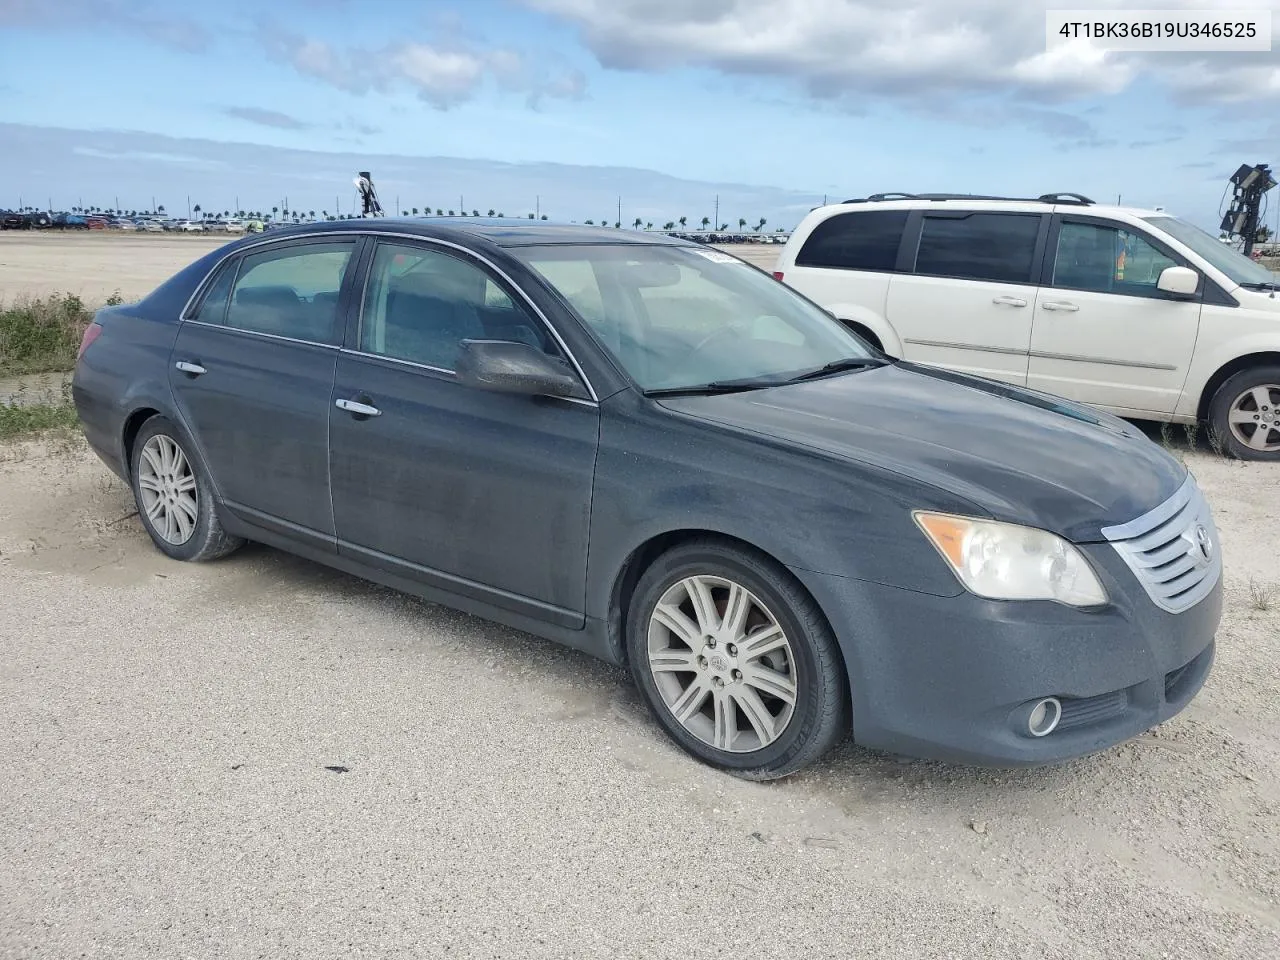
(1208, 362)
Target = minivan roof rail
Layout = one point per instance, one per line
(1075, 198)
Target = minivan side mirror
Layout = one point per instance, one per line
(1180, 281)
(509, 366)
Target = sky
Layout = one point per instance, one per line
(570, 107)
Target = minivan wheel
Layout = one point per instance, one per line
(174, 497)
(1245, 414)
(736, 661)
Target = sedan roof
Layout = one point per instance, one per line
(510, 232)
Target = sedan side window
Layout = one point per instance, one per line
(1107, 259)
(213, 308)
(291, 291)
(420, 304)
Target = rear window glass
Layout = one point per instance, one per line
(980, 246)
(855, 241)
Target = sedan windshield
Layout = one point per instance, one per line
(687, 317)
(1231, 262)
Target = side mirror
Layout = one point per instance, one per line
(508, 366)
(1180, 281)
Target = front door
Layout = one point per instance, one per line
(252, 371)
(967, 304)
(476, 492)
(1104, 333)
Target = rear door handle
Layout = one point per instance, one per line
(1010, 301)
(356, 408)
(1059, 305)
(193, 369)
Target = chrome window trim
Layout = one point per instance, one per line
(374, 235)
(267, 336)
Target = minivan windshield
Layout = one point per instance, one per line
(680, 317)
(1231, 262)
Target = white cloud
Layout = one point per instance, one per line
(442, 74)
(849, 49)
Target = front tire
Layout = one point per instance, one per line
(174, 496)
(1245, 414)
(736, 661)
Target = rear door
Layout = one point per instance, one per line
(1104, 333)
(476, 492)
(964, 300)
(252, 370)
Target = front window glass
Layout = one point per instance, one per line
(1231, 262)
(679, 317)
(1107, 260)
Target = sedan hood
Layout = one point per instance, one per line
(1024, 457)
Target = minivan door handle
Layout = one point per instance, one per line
(189, 368)
(1059, 305)
(356, 408)
(1009, 301)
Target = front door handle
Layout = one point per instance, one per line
(1059, 305)
(356, 408)
(189, 368)
(1010, 301)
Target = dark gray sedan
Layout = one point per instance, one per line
(654, 452)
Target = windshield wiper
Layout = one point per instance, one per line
(1261, 285)
(835, 366)
(720, 386)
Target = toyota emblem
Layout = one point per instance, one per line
(1201, 545)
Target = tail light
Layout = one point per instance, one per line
(91, 333)
(777, 275)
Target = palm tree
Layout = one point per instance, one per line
(196, 209)
(475, 213)
(491, 211)
(415, 211)
(451, 213)
(590, 223)
(637, 223)
(723, 227)
(544, 216)
(683, 222)
(669, 225)
(706, 221)
(439, 212)
(742, 223)
(311, 214)
(649, 226)
(531, 216)
(762, 222)
(160, 209)
(501, 215)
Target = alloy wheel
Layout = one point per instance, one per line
(722, 664)
(168, 489)
(1254, 418)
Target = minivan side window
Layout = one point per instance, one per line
(865, 240)
(291, 291)
(1107, 259)
(979, 246)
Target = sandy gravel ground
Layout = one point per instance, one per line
(94, 265)
(264, 758)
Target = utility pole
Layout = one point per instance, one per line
(397, 204)
(716, 225)
(188, 206)
(117, 203)
(462, 207)
(537, 207)
(619, 220)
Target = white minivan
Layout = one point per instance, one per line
(1133, 311)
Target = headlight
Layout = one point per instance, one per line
(1004, 561)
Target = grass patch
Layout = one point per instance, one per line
(42, 335)
(1261, 595)
(20, 420)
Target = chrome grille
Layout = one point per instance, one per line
(1173, 550)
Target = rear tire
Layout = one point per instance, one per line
(736, 661)
(174, 496)
(1245, 414)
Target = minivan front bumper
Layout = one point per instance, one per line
(952, 678)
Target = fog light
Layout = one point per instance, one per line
(1044, 717)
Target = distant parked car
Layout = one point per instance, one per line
(10, 220)
(122, 224)
(233, 226)
(190, 226)
(96, 223)
(216, 226)
(151, 226)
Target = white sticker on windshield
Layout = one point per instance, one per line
(715, 256)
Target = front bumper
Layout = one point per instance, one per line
(950, 678)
